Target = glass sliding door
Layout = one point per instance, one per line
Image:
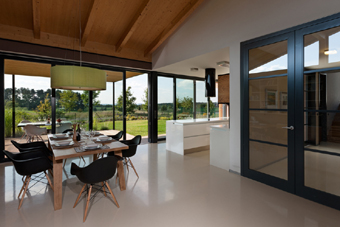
(201, 100)
(103, 108)
(184, 99)
(318, 163)
(165, 102)
(269, 119)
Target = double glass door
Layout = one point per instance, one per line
(291, 126)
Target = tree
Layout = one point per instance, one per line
(85, 97)
(187, 103)
(145, 100)
(130, 102)
(68, 100)
(44, 108)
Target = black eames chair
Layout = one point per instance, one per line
(98, 171)
(126, 154)
(33, 146)
(29, 163)
(118, 136)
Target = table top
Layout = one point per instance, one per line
(71, 153)
(41, 123)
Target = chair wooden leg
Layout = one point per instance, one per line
(113, 196)
(87, 203)
(75, 204)
(126, 162)
(23, 195)
(64, 162)
(83, 159)
(49, 180)
(51, 172)
(133, 167)
(104, 189)
(23, 186)
(116, 178)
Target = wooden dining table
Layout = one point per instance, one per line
(64, 153)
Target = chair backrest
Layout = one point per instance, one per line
(29, 162)
(118, 136)
(34, 130)
(133, 144)
(28, 146)
(98, 171)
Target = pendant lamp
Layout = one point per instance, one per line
(74, 77)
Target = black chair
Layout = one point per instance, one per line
(98, 171)
(118, 136)
(29, 163)
(33, 146)
(126, 154)
(68, 130)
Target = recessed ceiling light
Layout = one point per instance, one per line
(194, 69)
(223, 63)
(330, 52)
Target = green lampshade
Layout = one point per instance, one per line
(77, 78)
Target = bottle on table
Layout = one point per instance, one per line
(78, 133)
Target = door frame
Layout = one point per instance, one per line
(286, 185)
(302, 190)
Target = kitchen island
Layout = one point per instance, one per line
(192, 135)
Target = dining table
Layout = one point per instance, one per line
(74, 150)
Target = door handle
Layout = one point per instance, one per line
(290, 127)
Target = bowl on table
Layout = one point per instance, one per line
(104, 138)
(61, 135)
(63, 143)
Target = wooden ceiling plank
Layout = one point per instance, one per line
(36, 18)
(90, 21)
(175, 23)
(134, 24)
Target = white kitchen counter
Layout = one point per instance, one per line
(219, 146)
(187, 136)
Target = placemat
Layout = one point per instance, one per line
(64, 147)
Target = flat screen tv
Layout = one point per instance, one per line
(210, 82)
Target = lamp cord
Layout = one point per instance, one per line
(80, 33)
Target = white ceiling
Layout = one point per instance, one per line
(201, 62)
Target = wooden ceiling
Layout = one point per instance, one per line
(26, 68)
(130, 29)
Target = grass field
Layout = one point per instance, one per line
(137, 127)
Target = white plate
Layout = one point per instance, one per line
(92, 146)
(63, 143)
(60, 135)
(104, 138)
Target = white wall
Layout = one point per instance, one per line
(218, 24)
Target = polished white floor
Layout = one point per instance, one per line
(173, 190)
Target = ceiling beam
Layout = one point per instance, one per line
(173, 25)
(90, 21)
(136, 21)
(36, 18)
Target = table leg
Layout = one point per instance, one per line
(57, 181)
(120, 172)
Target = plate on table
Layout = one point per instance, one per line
(59, 136)
(64, 143)
(103, 138)
(92, 146)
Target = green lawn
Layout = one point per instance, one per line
(136, 127)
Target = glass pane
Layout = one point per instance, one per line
(184, 98)
(72, 107)
(103, 108)
(268, 159)
(322, 170)
(165, 103)
(118, 86)
(137, 105)
(201, 100)
(268, 60)
(268, 93)
(322, 49)
(8, 106)
(267, 126)
(214, 110)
